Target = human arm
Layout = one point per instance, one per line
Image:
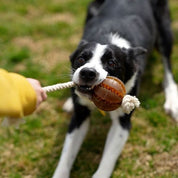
(19, 96)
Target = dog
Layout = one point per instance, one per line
(118, 38)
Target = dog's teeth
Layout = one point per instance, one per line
(88, 88)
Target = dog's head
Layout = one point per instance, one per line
(92, 62)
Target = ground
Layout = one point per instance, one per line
(36, 40)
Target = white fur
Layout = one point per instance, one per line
(117, 40)
(115, 142)
(85, 101)
(117, 135)
(68, 105)
(114, 114)
(171, 94)
(130, 83)
(71, 147)
(95, 63)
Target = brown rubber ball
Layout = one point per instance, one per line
(108, 95)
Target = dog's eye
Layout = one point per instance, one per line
(111, 63)
(81, 61)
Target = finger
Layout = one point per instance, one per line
(44, 95)
(39, 100)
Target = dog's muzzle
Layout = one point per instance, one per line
(88, 75)
(87, 78)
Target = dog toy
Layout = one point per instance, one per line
(107, 96)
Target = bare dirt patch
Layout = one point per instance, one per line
(175, 25)
(33, 12)
(64, 17)
(166, 162)
(52, 58)
(75, 39)
(34, 46)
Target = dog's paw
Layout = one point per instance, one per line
(171, 103)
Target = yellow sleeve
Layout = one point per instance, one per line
(17, 96)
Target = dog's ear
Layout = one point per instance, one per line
(136, 51)
(82, 43)
(134, 55)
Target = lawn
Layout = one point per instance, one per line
(36, 40)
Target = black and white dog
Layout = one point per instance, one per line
(119, 36)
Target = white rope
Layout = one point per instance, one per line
(129, 102)
(58, 86)
(17, 121)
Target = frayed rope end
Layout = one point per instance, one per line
(129, 103)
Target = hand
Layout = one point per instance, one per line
(40, 93)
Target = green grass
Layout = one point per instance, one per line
(36, 39)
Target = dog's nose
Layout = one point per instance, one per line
(88, 74)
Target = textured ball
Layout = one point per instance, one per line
(108, 95)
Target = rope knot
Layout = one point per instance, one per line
(129, 103)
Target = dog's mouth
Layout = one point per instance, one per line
(85, 89)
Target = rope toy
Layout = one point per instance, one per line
(111, 92)
(58, 86)
(107, 96)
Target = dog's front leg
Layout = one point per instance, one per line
(74, 138)
(115, 142)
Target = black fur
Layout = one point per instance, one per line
(139, 22)
(145, 24)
